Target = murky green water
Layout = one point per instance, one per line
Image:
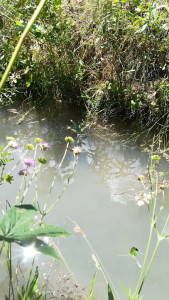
(100, 198)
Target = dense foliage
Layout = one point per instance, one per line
(102, 55)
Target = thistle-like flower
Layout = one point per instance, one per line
(13, 144)
(77, 150)
(24, 172)
(29, 162)
(44, 146)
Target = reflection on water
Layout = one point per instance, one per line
(100, 198)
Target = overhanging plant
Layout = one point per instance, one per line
(19, 225)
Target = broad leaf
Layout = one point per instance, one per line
(19, 225)
(17, 222)
(49, 230)
(44, 248)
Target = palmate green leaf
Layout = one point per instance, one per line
(19, 225)
(17, 221)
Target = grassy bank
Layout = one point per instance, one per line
(107, 57)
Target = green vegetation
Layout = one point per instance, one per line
(107, 57)
(23, 223)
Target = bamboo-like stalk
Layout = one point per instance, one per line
(20, 42)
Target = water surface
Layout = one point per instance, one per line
(100, 199)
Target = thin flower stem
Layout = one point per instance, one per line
(26, 190)
(35, 151)
(165, 226)
(20, 188)
(54, 178)
(145, 259)
(152, 258)
(2, 173)
(36, 187)
(148, 269)
(153, 219)
(5, 148)
(18, 162)
(65, 187)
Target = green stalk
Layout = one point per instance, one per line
(20, 188)
(64, 189)
(20, 42)
(160, 238)
(9, 264)
(54, 178)
(152, 258)
(36, 187)
(145, 259)
(18, 162)
(153, 219)
(26, 190)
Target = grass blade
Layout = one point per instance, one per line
(110, 294)
(93, 282)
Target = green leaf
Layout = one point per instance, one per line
(45, 249)
(23, 291)
(19, 22)
(144, 26)
(155, 157)
(18, 225)
(8, 178)
(110, 294)
(134, 251)
(34, 284)
(104, 27)
(91, 290)
(57, 2)
(126, 291)
(38, 297)
(49, 230)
